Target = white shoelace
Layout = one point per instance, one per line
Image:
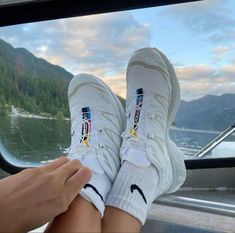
(79, 144)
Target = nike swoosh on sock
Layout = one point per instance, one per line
(136, 187)
(94, 188)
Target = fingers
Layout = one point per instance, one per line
(68, 169)
(71, 173)
(55, 164)
(77, 182)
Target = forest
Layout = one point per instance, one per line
(31, 83)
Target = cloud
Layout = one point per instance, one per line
(199, 80)
(200, 71)
(210, 18)
(229, 72)
(106, 40)
(102, 45)
(219, 53)
(117, 83)
(223, 36)
(98, 44)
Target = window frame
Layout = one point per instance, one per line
(40, 10)
(18, 13)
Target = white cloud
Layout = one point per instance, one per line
(210, 18)
(219, 53)
(105, 40)
(98, 44)
(102, 45)
(199, 80)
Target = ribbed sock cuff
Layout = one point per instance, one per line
(92, 197)
(96, 190)
(127, 206)
(133, 190)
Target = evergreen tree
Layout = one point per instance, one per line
(31, 83)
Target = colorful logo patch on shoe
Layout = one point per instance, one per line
(139, 103)
(86, 125)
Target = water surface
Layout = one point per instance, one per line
(40, 140)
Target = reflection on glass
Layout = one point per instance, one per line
(37, 61)
(35, 140)
(191, 141)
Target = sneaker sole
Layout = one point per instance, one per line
(176, 159)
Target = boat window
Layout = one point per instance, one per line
(37, 61)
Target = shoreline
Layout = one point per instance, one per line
(16, 112)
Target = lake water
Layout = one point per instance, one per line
(40, 140)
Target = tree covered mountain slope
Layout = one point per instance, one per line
(37, 86)
(32, 83)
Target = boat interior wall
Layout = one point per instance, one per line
(3, 174)
(164, 226)
(165, 219)
(210, 178)
(205, 203)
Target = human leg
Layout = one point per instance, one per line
(152, 165)
(81, 216)
(97, 121)
(116, 220)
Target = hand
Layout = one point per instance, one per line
(35, 196)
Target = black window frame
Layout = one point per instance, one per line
(40, 10)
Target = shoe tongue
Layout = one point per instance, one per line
(135, 153)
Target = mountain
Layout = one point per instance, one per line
(210, 112)
(37, 86)
(32, 83)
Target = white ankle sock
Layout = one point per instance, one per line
(134, 190)
(98, 186)
(96, 190)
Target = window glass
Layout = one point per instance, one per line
(37, 61)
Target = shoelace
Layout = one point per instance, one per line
(82, 144)
(137, 142)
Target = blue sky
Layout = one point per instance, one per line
(198, 38)
(185, 30)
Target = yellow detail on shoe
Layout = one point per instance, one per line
(133, 132)
(86, 142)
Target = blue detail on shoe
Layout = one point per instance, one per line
(139, 103)
(86, 125)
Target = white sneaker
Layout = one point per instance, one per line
(153, 98)
(97, 121)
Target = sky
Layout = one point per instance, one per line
(198, 38)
